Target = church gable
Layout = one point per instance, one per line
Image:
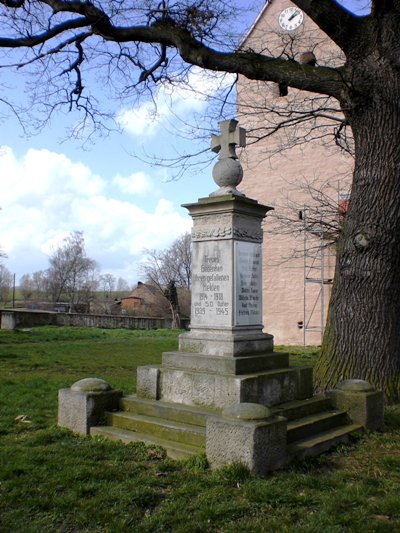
(285, 30)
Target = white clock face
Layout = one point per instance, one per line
(291, 18)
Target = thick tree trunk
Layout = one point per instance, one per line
(176, 317)
(362, 338)
(172, 296)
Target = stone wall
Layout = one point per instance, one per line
(11, 319)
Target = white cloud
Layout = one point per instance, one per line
(173, 99)
(141, 121)
(46, 196)
(41, 171)
(138, 183)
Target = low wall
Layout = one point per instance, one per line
(111, 321)
(17, 318)
(12, 318)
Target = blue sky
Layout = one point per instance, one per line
(358, 7)
(52, 185)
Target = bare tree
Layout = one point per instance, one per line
(6, 285)
(88, 284)
(322, 215)
(122, 285)
(170, 271)
(34, 285)
(2, 253)
(40, 284)
(72, 275)
(130, 42)
(26, 286)
(108, 284)
(171, 294)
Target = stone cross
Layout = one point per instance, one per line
(230, 137)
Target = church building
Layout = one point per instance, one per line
(297, 161)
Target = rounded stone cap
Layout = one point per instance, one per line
(355, 385)
(91, 385)
(227, 172)
(247, 411)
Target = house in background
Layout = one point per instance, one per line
(106, 306)
(145, 300)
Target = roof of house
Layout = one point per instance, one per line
(140, 287)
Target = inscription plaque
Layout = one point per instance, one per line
(212, 284)
(247, 287)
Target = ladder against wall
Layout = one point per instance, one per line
(319, 265)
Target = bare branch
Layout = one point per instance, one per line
(13, 3)
(33, 40)
(321, 215)
(168, 33)
(339, 24)
(162, 60)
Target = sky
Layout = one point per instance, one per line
(122, 204)
(52, 185)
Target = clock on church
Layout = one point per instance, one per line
(290, 18)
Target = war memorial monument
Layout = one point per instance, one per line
(225, 392)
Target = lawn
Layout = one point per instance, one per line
(54, 481)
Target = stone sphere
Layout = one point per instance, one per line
(355, 385)
(90, 385)
(227, 172)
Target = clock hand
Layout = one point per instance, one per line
(294, 15)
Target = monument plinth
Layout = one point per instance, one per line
(226, 357)
(226, 312)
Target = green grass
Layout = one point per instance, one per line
(54, 481)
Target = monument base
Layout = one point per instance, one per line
(248, 364)
(218, 382)
(225, 342)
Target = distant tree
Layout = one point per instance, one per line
(6, 283)
(71, 275)
(170, 271)
(108, 284)
(179, 261)
(2, 253)
(171, 295)
(173, 263)
(40, 283)
(26, 286)
(34, 285)
(89, 284)
(122, 285)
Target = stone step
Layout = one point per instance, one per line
(180, 429)
(157, 427)
(301, 408)
(248, 364)
(322, 442)
(185, 414)
(175, 450)
(308, 426)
